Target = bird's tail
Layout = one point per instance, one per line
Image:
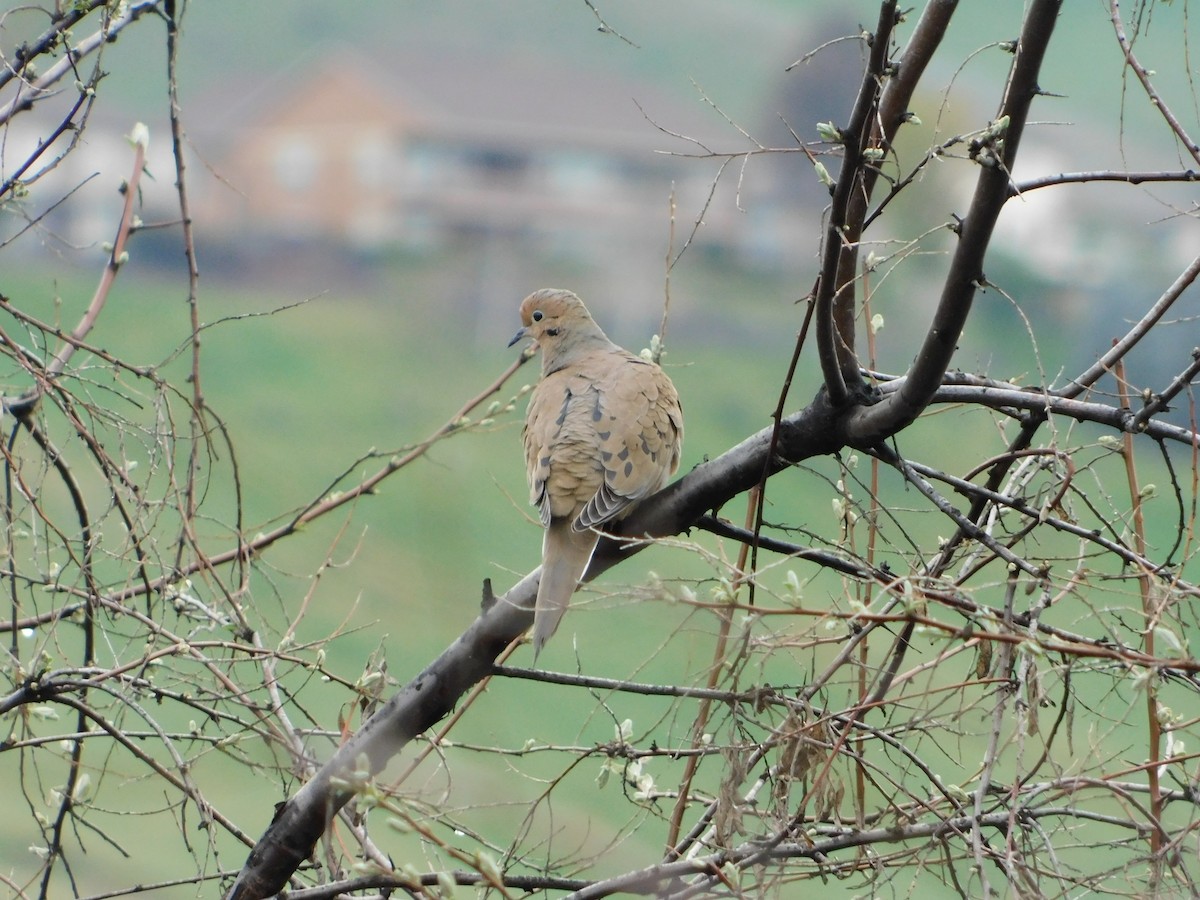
(565, 557)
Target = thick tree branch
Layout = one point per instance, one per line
(903, 76)
(300, 822)
(879, 111)
(1131, 178)
(996, 153)
(972, 390)
(835, 299)
(909, 69)
(781, 755)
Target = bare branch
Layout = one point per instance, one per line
(996, 155)
(834, 306)
(40, 87)
(1144, 78)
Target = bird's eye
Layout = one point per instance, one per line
(537, 315)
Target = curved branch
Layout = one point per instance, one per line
(432, 694)
(878, 113)
(996, 154)
(834, 303)
(21, 406)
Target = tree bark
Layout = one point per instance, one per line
(299, 823)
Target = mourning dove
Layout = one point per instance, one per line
(603, 431)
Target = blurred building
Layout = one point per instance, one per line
(429, 146)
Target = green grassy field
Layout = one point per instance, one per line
(306, 393)
(309, 393)
(319, 383)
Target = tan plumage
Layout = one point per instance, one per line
(603, 431)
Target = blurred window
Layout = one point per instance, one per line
(373, 161)
(296, 163)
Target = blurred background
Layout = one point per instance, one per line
(335, 152)
(376, 185)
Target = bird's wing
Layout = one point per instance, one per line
(638, 428)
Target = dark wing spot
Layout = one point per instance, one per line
(624, 454)
(628, 469)
(562, 413)
(604, 435)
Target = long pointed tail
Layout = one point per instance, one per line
(565, 556)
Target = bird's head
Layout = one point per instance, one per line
(558, 322)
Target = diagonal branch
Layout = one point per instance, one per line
(1144, 76)
(431, 695)
(64, 67)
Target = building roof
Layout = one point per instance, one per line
(463, 94)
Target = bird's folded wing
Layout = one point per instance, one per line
(638, 434)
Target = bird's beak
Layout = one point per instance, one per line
(516, 337)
